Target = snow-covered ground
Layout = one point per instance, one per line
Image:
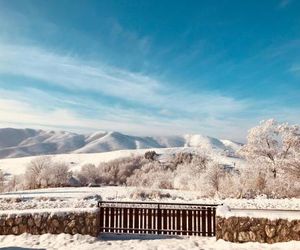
(15, 166)
(272, 214)
(88, 197)
(83, 242)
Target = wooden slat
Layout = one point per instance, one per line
(145, 219)
(155, 212)
(214, 222)
(107, 211)
(112, 219)
(178, 220)
(125, 221)
(121, 216)
(116, 224)
(200, 222)
(159, 220)
(190, 221)
(209, 221)
(136, 220)
(164, 214)
(184, 222)
(149, 219)
(195, 222)
(203, 224)
(101, 219)
(142, 220)
(130, 224)
(173, 220)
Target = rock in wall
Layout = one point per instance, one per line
(246, 229)
(81, 222)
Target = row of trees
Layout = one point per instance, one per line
(41, 172)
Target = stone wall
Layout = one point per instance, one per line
(54, 222)
(246, 229)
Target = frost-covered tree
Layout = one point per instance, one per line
(59, 174)
(117, 171)
(190, 172)
(274, 146)
(152, 174)
(34, 170)
(55, 175)
(214, 175)
(89, 174)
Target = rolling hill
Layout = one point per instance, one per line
(30, 142)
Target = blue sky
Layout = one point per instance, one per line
(149, 67)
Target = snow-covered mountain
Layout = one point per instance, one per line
(29, 142)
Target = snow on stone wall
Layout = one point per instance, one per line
(54, 222)
(240, 227)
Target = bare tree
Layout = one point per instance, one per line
(60, 174)
(34, 171)
(89, 174)
(214, 174)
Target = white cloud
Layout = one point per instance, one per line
(295, 68)
(73, 73)
(284, 3)
(19, 114)
(158, 107)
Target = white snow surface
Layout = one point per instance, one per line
(274, 214)
(52, 211)
(70, 199)
(84, 242)
(29, 142)
(88, 197)
(15, 166)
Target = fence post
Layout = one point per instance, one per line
(214, 222)
(158, 219)
(100, 218)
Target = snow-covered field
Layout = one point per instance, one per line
(88, 197)
(83, 242)
(220, 151)
(15, 166)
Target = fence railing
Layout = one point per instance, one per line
(157, 218)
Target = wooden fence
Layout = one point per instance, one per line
(158, 218)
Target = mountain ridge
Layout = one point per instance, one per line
(29, 142)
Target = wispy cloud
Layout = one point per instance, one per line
(142, 104)
(295, 68)
(73, 73)
(183, 111)
(120, 34)
(19, 113)
(284, 3)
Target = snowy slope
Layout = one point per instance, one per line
(117, 141)
(234, 146)
(75, 161)
(29, 142)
